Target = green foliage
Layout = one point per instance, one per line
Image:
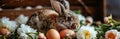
(102, 28)
(77, 11)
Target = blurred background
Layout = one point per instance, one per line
(113, 7)
(98, 9)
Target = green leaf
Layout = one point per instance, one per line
(77, 11)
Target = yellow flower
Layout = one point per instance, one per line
(87, 34)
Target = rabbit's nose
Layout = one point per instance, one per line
(69, 19)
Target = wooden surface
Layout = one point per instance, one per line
(23, 3)
(113, 7)
(11, 13)
(95, 6)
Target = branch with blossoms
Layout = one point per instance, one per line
(108, 30)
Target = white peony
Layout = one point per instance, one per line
(21, 19)
(5, 22)
(112, 34)
(118, 36)
(86, 32)
(24, 29)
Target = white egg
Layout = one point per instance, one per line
(18, 8)
(39, 7)
(28, 8)
(1, 9)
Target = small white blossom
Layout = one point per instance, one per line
(21, 19)
(23, 36)
(5, 22)
(24, 29)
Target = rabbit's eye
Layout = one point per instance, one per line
(69, 18)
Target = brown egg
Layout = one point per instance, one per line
(4, 31)
(53, 34)
(67, 32)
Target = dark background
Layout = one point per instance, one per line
(113, 7)
(95, 6)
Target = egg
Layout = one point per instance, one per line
(4, 31)
(1, 9)
(67, 32)
(53, 34)
(39, 7)
(18, 8)
(28, 7)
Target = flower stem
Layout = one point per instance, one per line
(4, 37)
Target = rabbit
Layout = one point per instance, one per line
(59, 17)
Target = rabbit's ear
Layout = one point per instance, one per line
(57, 6)
(66, 4)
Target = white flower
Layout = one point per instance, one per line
(118, 36)
(81, 18)
(5, 22)
(21, 19)
(106, 19)
(23, 36)
(26, 29)
(112, 34)
(86, 32)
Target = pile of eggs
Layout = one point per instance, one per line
(54, 34)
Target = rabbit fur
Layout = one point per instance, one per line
(59, 17)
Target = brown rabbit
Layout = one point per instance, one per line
(59, 18)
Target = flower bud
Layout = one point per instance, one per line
(41, 36)
(89, 20)
(106, 20)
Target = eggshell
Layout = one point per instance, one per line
(67, 32)
(53, 34)
(4, 31)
